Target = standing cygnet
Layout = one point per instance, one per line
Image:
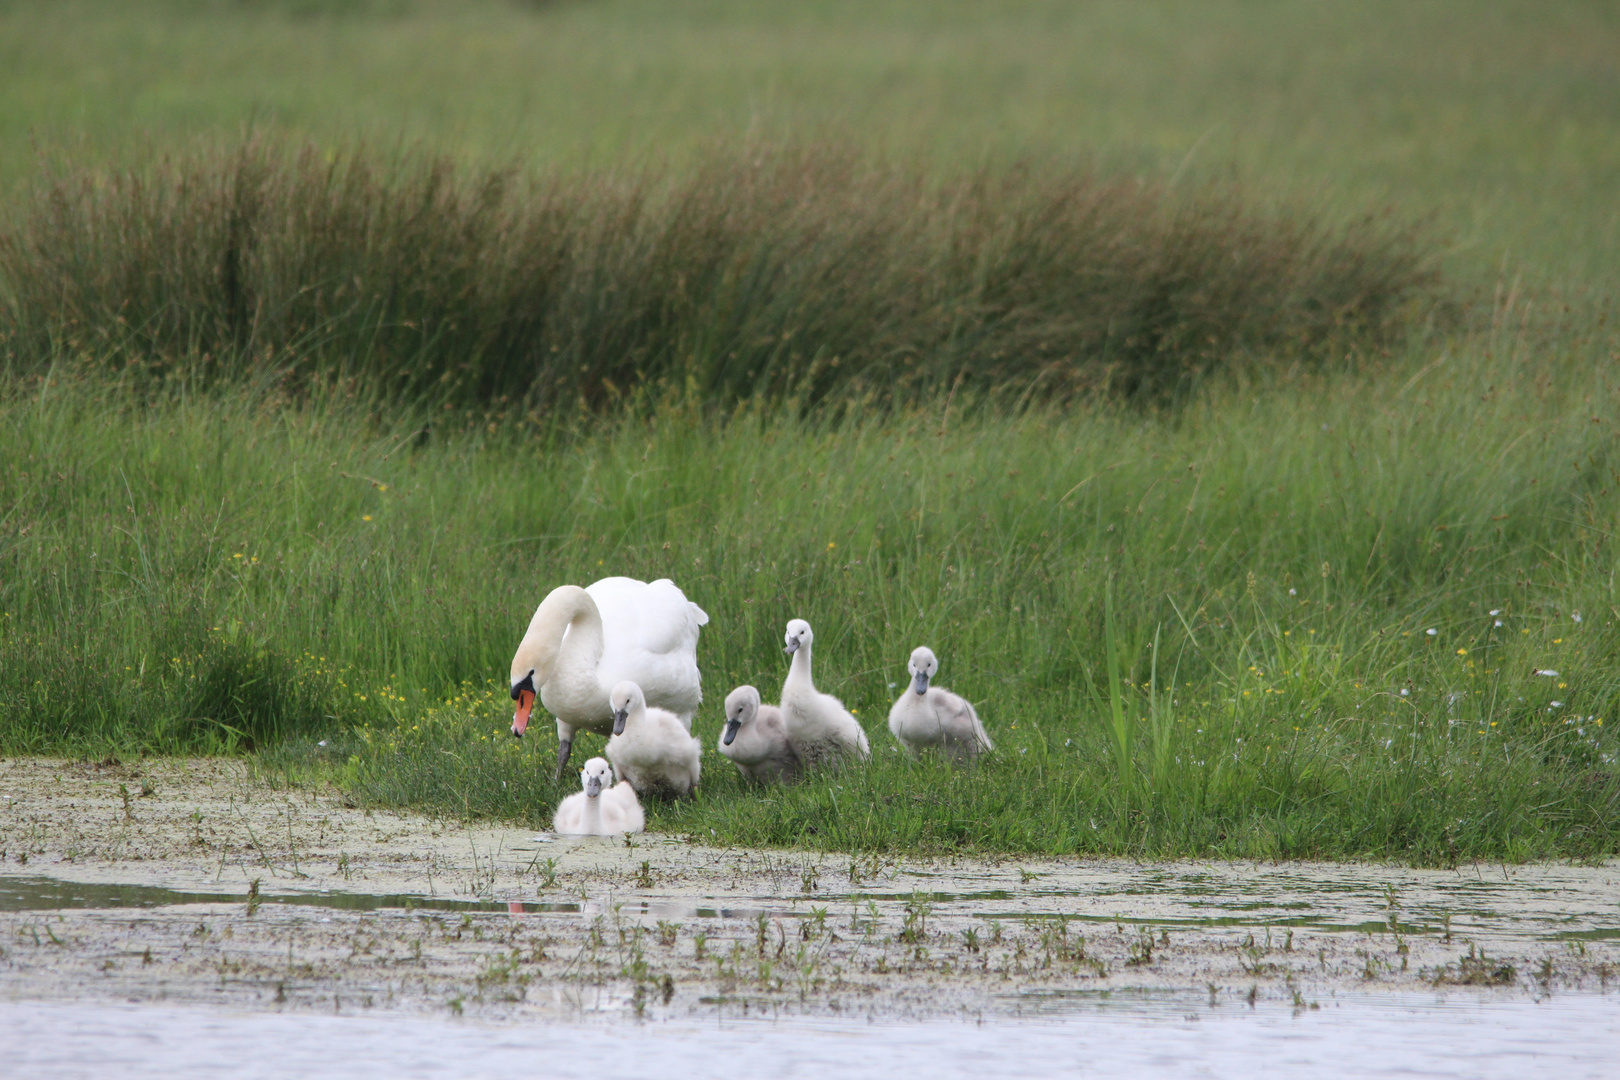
(602, 809)
(651, 747)
(755, 738)
(933, 718)
(819, 728)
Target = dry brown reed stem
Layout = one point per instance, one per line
(803, 274)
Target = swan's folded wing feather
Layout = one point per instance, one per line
(650, 635)
(622, 809)
(960, 721)
(570, 812)
(655, 618)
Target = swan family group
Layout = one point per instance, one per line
(619, 658)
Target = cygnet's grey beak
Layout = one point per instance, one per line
(792, 645)
(593, 786)
(919, 682)
(732, 727)
(619, 718)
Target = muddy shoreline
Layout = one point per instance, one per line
(190, 882)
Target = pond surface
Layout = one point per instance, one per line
(1570, 1036)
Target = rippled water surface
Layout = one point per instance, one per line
(1360, 1036)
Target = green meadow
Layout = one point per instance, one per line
(1267, 348)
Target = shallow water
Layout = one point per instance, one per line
(1573, 1036)
(36, 893)
(1517, 908)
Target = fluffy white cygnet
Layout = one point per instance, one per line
(932, 718)
(755, 738)
(602, 808)
(819, 728)
(651, 747)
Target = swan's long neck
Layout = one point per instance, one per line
(592, 822)
(564, 647)
(799, 673)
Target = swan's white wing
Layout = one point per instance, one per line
(650, 635)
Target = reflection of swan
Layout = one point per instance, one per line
(933, 718)
(821, 730)
(602, 809)
(650, 747)
(583, 641)
(755, 738)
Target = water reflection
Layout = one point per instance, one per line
(1110, 1035)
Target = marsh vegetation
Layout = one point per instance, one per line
(1273, 520)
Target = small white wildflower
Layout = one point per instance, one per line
(1498, 622)
(1431, 631)
(321, 743)
(1293, 592)
(1024, 750)
(1576, 616)
(1555, 704)
(1405, 692)
(1548, 672)
(1388, 743)
(1496, 611)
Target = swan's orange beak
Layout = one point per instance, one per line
(520, 719)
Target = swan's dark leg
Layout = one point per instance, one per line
(564, 748)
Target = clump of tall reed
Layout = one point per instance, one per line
(783, 274)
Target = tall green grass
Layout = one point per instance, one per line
(248, 501)
(1277, 561)
(803, 274)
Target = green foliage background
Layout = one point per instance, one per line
(213, 565)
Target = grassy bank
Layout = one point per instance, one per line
(261, 489)
(213, 571)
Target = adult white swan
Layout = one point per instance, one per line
(581, 642)
(821, 730)
(932, 718)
